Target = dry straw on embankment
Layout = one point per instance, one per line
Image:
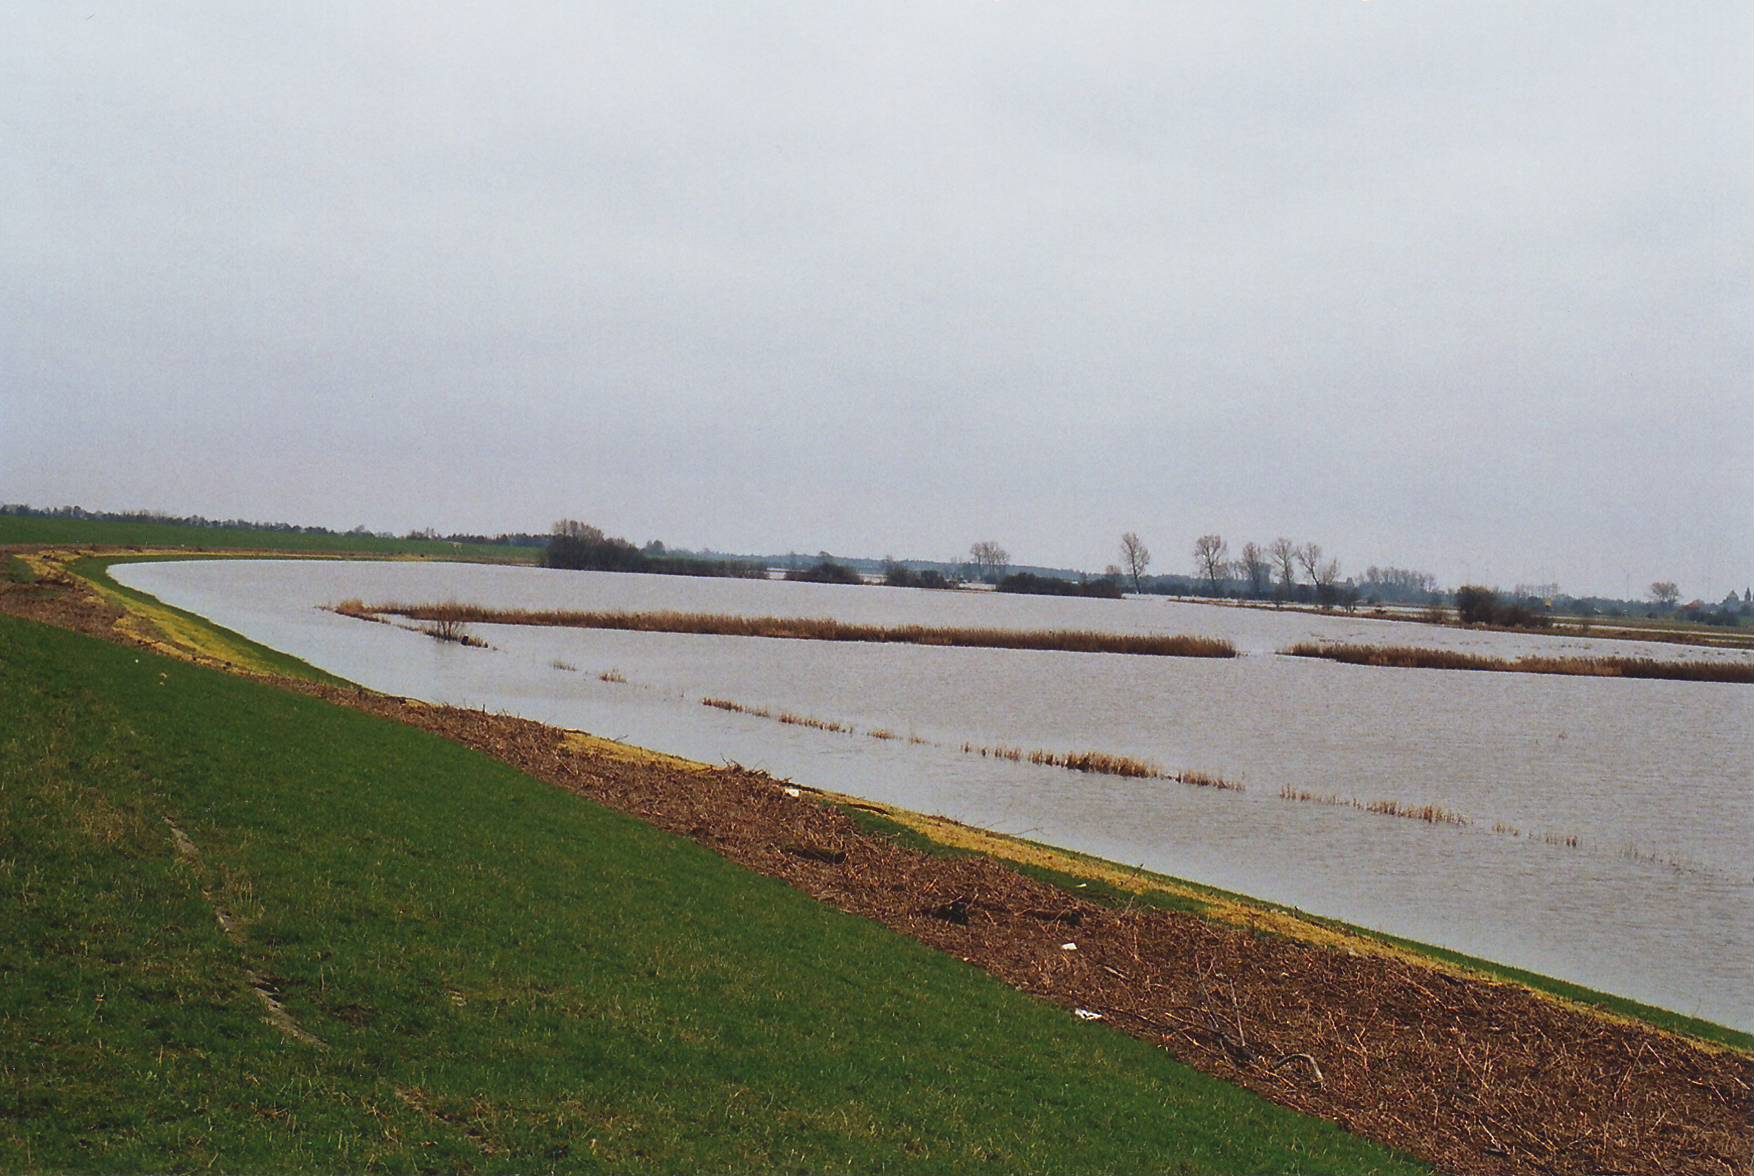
(1412, 657)
(807, 629)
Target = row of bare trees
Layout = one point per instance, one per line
(1257, 565)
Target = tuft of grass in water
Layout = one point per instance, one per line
(613, 676)
(1412, 657)
(1207, 780)
(1429, 813)
(420, 910)
(809, 629)
(798, 720)
(1101, 763)
(565, 666)
(737, 708)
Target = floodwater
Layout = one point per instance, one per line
(1650, 779)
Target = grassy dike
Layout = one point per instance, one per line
(35, 530)
(478, 972)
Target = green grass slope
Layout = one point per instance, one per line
(503, 977)
(24, 529)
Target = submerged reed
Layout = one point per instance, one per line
(1102, 763)
(725, 704)
(797, 720)
(1429, 813)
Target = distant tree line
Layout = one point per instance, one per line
(20, 510)
(583, 547)
(1103, 587)
(899, 575)
(825, 571)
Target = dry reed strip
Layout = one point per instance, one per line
(798, 720)
(806, 629)
(1096, 762)
(1437, 815)
(791, 717)
(1413, 657)
(1431, 814)
(737, 708)
(1102, 763)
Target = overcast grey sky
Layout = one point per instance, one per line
(1467, 287)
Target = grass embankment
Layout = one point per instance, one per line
(254, 931)
(23, 529)
(1412, 657)
(804, 629)
(176, 631)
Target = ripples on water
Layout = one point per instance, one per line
(1651, 778)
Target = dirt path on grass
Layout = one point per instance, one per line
(1468, 1074)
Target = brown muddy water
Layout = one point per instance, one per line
(1608, 821)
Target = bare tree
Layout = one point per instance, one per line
(1666, 593)
(989, 559)
(1326, 576)
(1210, 557)
(1309, 557)
(1284, 556)
(1135, 558)
(1256, 568)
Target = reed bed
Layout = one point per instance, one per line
(797, 720)
(1102, 763)
(1431, 814)
(1413, 657)
(1207, 780)
(806, 629)
(785, 716)
(725, 704)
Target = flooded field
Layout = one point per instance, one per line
(1600, 826)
